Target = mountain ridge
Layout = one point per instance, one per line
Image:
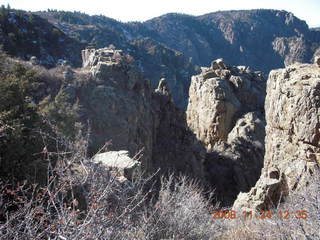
(262, 39)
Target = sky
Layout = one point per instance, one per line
(141, 10)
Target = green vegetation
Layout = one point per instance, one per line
(62, 113)
(19, 121)
(29, 118)
(24, 35)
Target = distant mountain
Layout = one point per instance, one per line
(155, 59)
(169, 46)
(262, 39)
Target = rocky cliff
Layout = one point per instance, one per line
(219, 96)
(225, 112)
(170, 45)
(175, 148)
(121, 107)
(247, 37)
(292, 136)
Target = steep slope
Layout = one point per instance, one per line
(118, 102)
(261, 39)
(157, 61)
(241, 37)
(154, 59)
(292, 136)
(225, 112)
(25, 34)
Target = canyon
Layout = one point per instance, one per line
(141, 87)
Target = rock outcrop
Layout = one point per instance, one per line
(121, 107)
(292, 136)
(118, 161)
(225, 112)
(219, 96)
(175, 148)
(116, 102)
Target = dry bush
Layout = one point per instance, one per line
(84, 200)
(181, 212)
(289, 226)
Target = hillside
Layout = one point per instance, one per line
(261, 39)
(169, 46)
(25, 35)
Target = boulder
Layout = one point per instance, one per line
(34, 60)
(218, 64)
(119, 161)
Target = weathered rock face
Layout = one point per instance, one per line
(292, 135)
(225, 112)
(235, 165)
(242, 37)
(117, 103)
(91, 57)
(120, 106)
(175, 148)
(218, 97)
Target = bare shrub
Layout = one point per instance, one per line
(181, 212)
(297, 218)
(84, 200)
(81, 200)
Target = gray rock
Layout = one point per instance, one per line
(218, 64)
(163, 87)
(224, 113)
(292, 136)
(121, 107)
(218, 97)
(175, 148)
(118, 160)
(317, 61)
(34, 60)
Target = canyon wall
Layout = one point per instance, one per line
(121, 107)
(292, 136)
(226, 114)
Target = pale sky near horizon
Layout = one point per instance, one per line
(141, 10)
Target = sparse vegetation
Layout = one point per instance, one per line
(19, 120)
(84, 200)
(49, 186)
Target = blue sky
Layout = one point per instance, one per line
(140, 10)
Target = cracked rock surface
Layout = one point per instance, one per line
(292, 135)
